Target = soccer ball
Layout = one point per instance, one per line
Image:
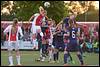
(47, 4)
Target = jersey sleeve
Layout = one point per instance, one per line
(36, 14)
(7, 29)
(43, 20)
(20, 31)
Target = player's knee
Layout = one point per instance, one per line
(10, 52)
(65, 52)
(34, 36)
(17, 52)
(78, 53)
(39, 30)
(55, 50)
(41, 34)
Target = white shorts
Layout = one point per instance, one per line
(50, 41)
(35, 28)
(13, 45)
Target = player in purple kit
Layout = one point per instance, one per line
(58, 43)
(73, 44)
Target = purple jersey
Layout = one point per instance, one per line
(73, 32)
(65, 21)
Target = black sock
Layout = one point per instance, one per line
(57, 55)
(65, 58)
(80, 58)
(81, 51)
(70, 56)
(54, 56)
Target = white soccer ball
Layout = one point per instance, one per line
(47, 4)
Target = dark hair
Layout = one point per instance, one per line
(15, 20)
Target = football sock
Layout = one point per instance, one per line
(10, 60)
(65, 57)
(80, 58)
(18, 59)
(70, 56)
(57, 55)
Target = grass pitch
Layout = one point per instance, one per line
(28, 59)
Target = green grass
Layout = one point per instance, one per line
(28, 59)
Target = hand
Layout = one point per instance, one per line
(68, 41)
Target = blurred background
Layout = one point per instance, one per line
(85, 10)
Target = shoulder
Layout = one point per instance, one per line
(36, 14)
(9, 26)
(19, 27)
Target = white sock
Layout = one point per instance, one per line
(18, 59)
(50, 55)
(11, 60)
(34, 42)
(40, 52)
(36, 47)
(41, 34)
(43, 58)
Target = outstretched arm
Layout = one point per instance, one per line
(46, 17)
(31, 18)
(7, 30)
(59, 24)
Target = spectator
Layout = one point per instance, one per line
(2, 36)
(26, 35)
(96, 46)
(22, 26)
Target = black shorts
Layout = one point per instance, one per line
(73, 46)
(44, 48)
(43, 29)
(59, 45)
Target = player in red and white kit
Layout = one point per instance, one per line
(36, 24)
(13, 31)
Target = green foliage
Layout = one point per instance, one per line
(91, 15)
(25, 9)
(56, 11)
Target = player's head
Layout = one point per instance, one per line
(53, 23)
(41, 10)
(72, 16)
(71, 24)
(50, 21)
(15, 21)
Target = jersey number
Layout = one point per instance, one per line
(73, 34)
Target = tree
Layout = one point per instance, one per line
(56, 11)
(90, 15)
(25, 9)
(85, 10)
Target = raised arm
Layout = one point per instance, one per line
(31, 18)
(7, 30)
(46, 17)
(59, 23)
